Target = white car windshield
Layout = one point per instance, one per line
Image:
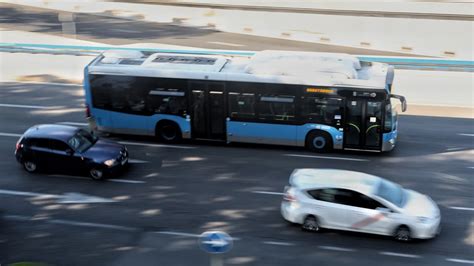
(392, 193)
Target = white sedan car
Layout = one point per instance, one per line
(353, 201)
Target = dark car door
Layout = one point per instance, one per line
(37, 150)
(64, 157)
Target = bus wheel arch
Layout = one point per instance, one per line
(168, 131)
(319, 141)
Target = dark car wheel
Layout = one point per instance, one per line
(402, 233)
(30, 166)
(310, 224)
(96, 174)
(318, 141)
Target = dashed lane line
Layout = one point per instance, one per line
(466, 134)
(69, 222)
(26, 106)
(327, 157)
(155, 145)
(3, 134)
(74, 124)
(277, 243)
(460, 261)
(184, 234)
(404, 255)
(462, 208)
(116, 180)
(268, 192)
(336, 248)
(42, 83)
(176, 233)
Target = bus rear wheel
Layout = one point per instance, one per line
(319, 141)
(168, 132)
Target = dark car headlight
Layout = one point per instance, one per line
(110, 162)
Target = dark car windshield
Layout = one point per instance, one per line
(391, 192)
(82, 140)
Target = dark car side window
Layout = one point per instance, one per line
(58, 145)
(38, 143)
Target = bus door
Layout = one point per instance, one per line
(207, 110)
(363, 124)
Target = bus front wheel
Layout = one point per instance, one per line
(168, 132)
(319, 141)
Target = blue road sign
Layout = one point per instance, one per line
(215, 242)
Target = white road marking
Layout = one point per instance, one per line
(278, 243)
(404, 255)
(26, 106)
(137, 161)
(454, 149)
(268, 192)
(96, 225)
(26, 194)
(126, 181)
(66, 198)
(130, 181)
(42, 83)
(17, 217)
(460, 261)
(227, 44)
(336, 248)
(462, 208)
(471, 167)
(326, 157)
(155, 145)
(176, 233)
(10, 134)
(184, 234)
(466, 134)
(74, 124)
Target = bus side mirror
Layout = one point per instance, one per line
(402, 100)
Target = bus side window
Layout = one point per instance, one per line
(241, 105)
(277, 107)
(322, 110)
(164, 101)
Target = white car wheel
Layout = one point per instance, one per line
(310, 224)
(402, 233)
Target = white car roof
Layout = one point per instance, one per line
(319, 178)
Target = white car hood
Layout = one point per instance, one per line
(420, 205)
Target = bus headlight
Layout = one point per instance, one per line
(338, 137)
(110, 162)
(392, 141)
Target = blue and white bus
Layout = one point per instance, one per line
(321, 101)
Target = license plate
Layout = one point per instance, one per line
(125, 161)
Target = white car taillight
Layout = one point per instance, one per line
(288, 195)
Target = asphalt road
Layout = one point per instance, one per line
(117, 31)
(171, 194)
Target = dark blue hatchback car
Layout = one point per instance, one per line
(61, 148)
